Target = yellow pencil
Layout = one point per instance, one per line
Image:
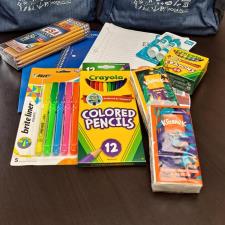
(43, 120)
(10, 50)
(46, 53)
(53, 44)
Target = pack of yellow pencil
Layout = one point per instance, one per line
(37, 44)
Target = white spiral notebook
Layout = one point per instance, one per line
(115, 44)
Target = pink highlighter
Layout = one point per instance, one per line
(67, 119)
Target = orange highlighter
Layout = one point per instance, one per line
(74, 125)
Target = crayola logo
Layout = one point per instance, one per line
(152, 81)
(105, 78)
(41, 75)
(175, 63)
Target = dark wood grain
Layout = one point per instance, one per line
(52, 195)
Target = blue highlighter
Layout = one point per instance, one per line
(59, 119)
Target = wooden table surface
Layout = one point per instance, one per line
(67, 195)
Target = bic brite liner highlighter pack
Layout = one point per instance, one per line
(152, 87)
(174, 158)
(47, 133)
(109, 127)
(185, 69)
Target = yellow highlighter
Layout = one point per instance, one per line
(43, 120)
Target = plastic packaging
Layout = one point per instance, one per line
(174, 161)
(47, 133)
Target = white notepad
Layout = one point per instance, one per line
(115, 44)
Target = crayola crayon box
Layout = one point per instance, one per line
(152, 86)
(47, 133)
(185, 69)
(174, 160)
(109, 127)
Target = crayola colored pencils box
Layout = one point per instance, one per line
(109, 127)
(47, 133)
(185, 69)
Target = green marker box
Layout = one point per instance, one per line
(106, 66)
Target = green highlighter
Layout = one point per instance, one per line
(51, 119)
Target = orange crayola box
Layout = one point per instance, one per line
(174, 158)
(109, 126)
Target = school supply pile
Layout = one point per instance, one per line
(33, 46)
(47, 133)
(89, 116)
